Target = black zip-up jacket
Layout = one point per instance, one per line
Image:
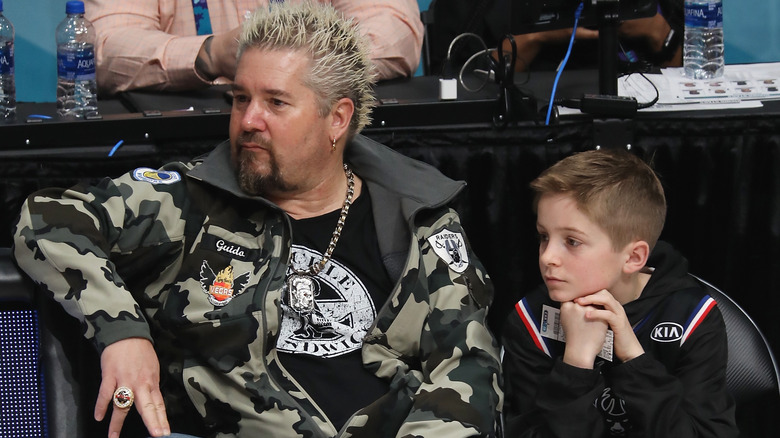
(677, 388)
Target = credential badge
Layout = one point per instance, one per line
(221, 287)
(451, 247)
(156, 176)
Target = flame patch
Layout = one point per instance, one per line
(223, 286)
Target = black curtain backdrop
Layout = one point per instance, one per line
(723, 191)
(720, 174)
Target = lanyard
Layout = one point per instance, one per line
(200, 9)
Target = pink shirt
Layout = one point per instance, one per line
(154, 43)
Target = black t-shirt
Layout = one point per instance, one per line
(322, 350)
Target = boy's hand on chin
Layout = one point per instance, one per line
(604, 307)
(584, 336)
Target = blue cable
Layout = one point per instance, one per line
(116, 146)
(565, 60)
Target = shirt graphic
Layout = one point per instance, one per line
(343, 311)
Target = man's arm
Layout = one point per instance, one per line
(217, 56)
(394, 29)
(63, 241)
(460, 393)
(133, 49)
(67, 242)
(136, 49)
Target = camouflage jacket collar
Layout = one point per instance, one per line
(419, 185)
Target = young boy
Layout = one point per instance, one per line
(644, 352)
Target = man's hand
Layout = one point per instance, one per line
(584, 336)
(132, 363)
(603, 307)
(217, 56)
(529, 45)
(652, 29)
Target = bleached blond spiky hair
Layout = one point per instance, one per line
(341, 66)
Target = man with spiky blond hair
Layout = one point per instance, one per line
(300, 280)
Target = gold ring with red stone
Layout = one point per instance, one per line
(123, 397)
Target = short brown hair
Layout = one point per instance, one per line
(614, 188)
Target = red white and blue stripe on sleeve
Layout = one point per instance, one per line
(532, 326)
(697, 316)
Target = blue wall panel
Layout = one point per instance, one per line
(35, 48)
(752, 31)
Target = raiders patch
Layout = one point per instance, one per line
(156, 176)
(451, 247)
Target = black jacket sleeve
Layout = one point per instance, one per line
(688, 400)
(544, 396)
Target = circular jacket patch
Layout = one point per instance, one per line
(156, 176)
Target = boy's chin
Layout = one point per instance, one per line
(563, 295)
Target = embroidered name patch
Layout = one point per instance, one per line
(156, 176)
(451, 247)
(230, 249)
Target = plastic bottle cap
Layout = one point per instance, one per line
(74, 7)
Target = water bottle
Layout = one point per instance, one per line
(7, 85)
(703, 49)
(76, 84)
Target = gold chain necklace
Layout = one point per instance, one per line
(300, 284)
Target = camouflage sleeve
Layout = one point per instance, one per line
(460, 394)
(74, 243)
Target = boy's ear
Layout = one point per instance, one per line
(637, 253)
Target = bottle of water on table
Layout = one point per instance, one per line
(7, 84)
(76, 83)
(703, 48)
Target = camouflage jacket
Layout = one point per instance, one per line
(125, 258)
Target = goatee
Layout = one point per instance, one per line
(255, 183)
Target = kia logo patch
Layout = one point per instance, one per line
(667, 332)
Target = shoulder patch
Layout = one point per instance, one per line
(156, 176)
(451, 247)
